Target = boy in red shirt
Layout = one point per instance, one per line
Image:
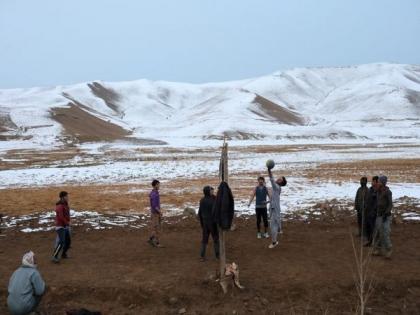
(62, 224)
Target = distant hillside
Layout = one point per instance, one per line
(374, 102)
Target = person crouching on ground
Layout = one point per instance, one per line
(208, 226)
(382, 242)
(261, 193)
(26, 287)
(360, 204)
(62, 227)
(156, 214)
(275, 214)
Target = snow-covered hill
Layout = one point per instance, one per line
(374, 102)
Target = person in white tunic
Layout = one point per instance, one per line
(275, 214)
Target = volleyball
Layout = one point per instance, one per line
(270, 164)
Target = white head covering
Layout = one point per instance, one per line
(28, 259)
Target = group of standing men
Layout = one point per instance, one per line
(373, 206)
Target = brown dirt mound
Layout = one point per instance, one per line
(235, 135)
(86, 127)
(109, 96)
(6, 124)
(271, 110)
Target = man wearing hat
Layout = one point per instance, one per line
(382, 243)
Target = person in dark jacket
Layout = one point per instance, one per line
(62, 227)
(26, 287)
(261, 193)
(360, 204)
(382, 243)
(208, 225)
(371, 209)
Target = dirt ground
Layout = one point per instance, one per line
(117, 272)
(310, 272)
(177, 193)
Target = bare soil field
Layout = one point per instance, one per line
(115, 271)
(178, 192)
(399, 170)
(310, 272)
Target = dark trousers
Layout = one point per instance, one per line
(360, 222)
(370, 227)
(64, 242)
(209, 229)
(261, 213)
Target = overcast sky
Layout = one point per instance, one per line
(50, 42)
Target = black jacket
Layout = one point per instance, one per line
(372, 202)
(205, 211)
(384, 202)
(224, 207)
(360, 202)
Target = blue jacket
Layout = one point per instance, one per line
(25, 288)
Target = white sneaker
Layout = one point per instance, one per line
(272, 245)
(258, 235)
(266, 235)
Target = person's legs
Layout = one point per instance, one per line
(274, 227)
(258, 214)
(265, 218)
(67, 242)
(215, 237)
(370, 228)
(61, 243)
(359, 222)
(204, 240)
(14, 307)
(386, 237)
(158, 229)
(38, 299)
(154, 229)
(364, 227)
(280, 224)
(377, 242)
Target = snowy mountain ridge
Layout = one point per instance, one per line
(373, 102)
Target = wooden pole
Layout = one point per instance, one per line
(223, 176)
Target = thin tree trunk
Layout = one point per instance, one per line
(223, 176)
